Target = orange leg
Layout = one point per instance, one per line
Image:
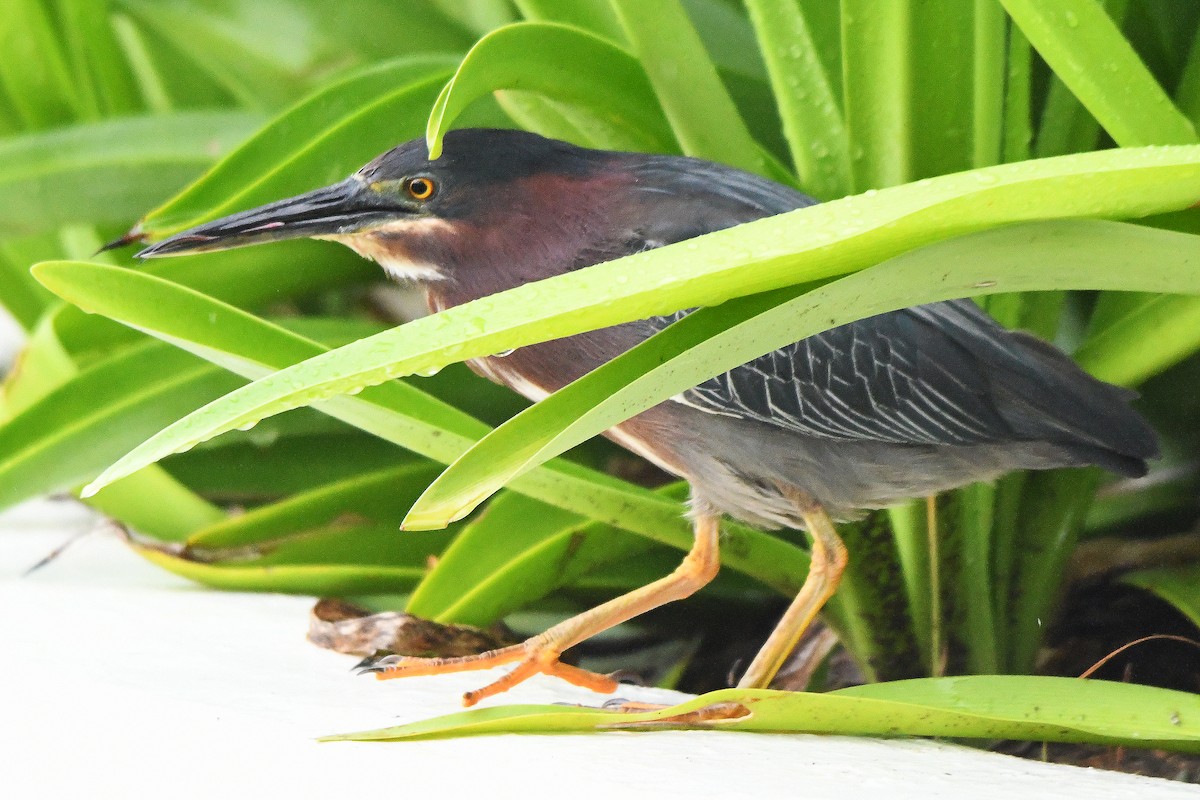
(829, 560)
(540, 653)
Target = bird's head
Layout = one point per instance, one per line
(418, 218)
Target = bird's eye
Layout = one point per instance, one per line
(420, 188)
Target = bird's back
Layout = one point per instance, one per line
(866, 414)
(943, 374)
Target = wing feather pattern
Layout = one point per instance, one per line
(891, 378)
(938, 374)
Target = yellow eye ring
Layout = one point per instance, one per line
(420, 188)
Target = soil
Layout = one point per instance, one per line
(1097, 620)
(1152, 763)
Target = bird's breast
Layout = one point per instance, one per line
(494, 369)
(403, 247)
(533, 372)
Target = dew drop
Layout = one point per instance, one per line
(264, 437)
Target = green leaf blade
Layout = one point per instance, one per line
(983, 707)
(697, 348)
(400, 413)
(562, 63)
(812, 121)
(66, 437)
(1087, 51)
(1178, 585)
(809, 244)
(107, 172)
(703, 116)
(324, 137)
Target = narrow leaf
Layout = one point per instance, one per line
(34, 71)
(322, 138)
(812, 121)
(65, 438)
(380, 496)
(96, 58)
(1118, 352)
(942, 74)
(1178, 585)
(517, 551)
(108, 171)
(986, 707)
(596, 16)
(1086, 50)
(697, 348)
(322, 579)
(876, 83)
(560, 62)
(805, 245)
(401, 413)
(703, 116)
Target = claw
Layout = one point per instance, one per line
(376, 662)
(540, 654)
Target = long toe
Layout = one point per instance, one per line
(410, 666)
(530, 658)
(546, 663)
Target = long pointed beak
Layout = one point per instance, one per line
(342, 208)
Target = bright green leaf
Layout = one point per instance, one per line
(517, 551)
(563, 63)
(1017, 258)
(379, 496)
(984, 707)
(812, 121)
(805, 245)
(1084, 47)
(1178, 585)
(107, 171)
(1118, 352)
(320, 139)
(703, 116)
(876, 81)
(63, 439)
(401, 413)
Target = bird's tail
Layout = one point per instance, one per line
(1048, 397)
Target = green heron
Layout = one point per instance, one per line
(866, 415)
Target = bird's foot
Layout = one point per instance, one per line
(530, 657)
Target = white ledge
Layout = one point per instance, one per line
(122, 680)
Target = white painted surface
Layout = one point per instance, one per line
(120, 680)
(11, 337)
